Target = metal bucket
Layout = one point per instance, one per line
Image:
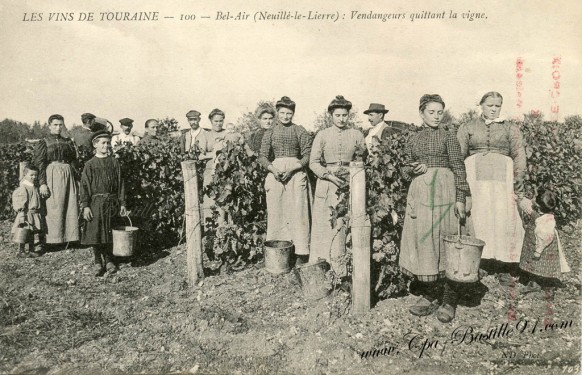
(124, 239)
(278, 256)
(22, 235)
(463, 257)
(312, 279)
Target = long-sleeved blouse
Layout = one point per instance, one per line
(503, 137)
(334, 145)
(437, 147)
(285, 141)
(53, 148)
(101, 176)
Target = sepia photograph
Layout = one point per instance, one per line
(270, 187)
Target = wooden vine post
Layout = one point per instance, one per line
(361, 234)
(193, 223)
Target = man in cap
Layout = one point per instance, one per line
(82, 136)
(194, 135)
(125, 136)
(380, 129)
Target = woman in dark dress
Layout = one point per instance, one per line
(55, 156)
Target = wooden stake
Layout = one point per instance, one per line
(361, 233)
(193, 223)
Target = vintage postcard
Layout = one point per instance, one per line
(305, 187)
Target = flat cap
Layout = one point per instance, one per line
(126, 121)
(87, 116)
(192, 114)
(100, 134)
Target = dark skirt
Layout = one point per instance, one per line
(98, 231)
(549, 263)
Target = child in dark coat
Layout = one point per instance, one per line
(27, 202)
(102, 195)
(542, 257)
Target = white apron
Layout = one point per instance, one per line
(288, 207)
(495, 217)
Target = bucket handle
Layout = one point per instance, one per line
(127, 216)
(26, 225)
(458, 244)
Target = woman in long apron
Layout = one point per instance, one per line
(286, 186)
(434, 206)
(54, 156)
(336, 146)
(495, 160)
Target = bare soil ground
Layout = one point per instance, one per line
(57, 318)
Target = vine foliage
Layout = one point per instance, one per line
(155, 193)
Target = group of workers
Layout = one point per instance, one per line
(474, 176)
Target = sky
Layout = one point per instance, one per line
(164, 68)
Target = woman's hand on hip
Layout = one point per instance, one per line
(460, 210)
(87, 214)
(44, 191)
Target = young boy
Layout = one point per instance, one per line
(26, 201)
(102, 193)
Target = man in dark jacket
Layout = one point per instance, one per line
(91, 124)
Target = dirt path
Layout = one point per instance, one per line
(56, 318)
